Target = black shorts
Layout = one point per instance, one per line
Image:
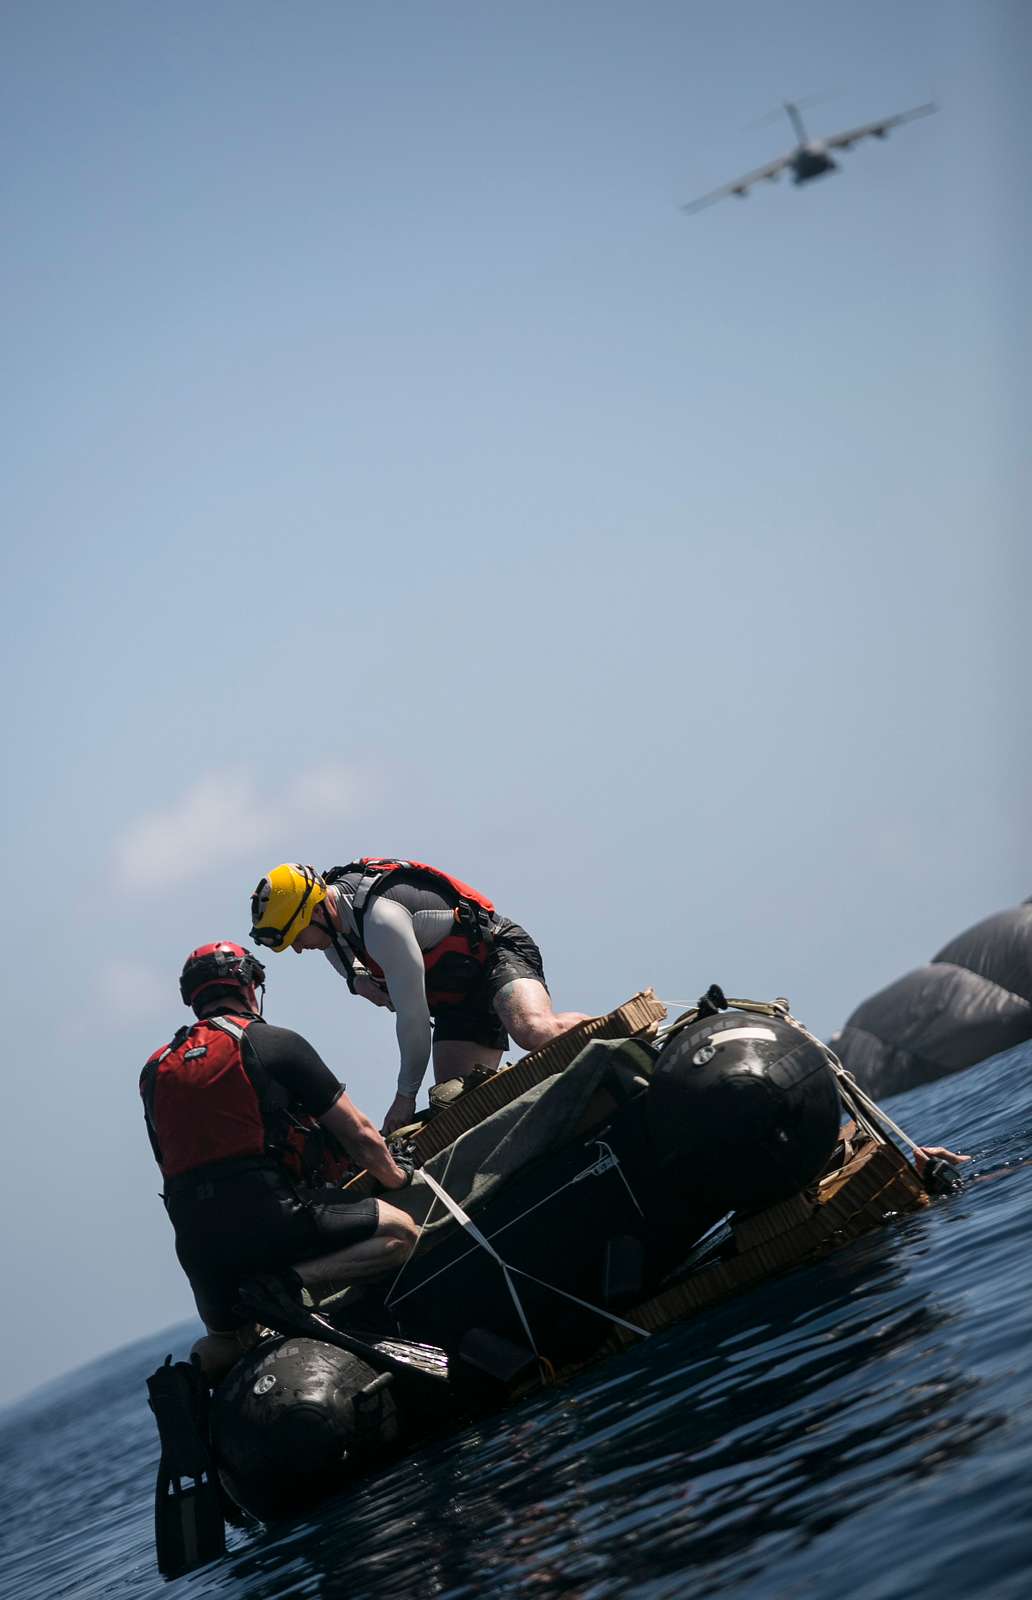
(513, 955)
(239, 1224)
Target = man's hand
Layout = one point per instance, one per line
(936, 1152)
(368, 987)
(362, 1142)
(403, 1154)
(935, 1164)
(401, 1112)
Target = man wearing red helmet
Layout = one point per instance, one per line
(252, 1132)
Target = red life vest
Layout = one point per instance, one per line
(204, 1105)
(457, 960)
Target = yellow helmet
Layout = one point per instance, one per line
(283, 903)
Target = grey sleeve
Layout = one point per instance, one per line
(390, 939)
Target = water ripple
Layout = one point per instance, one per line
(862, 1424)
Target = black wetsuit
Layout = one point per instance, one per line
(235, 1218)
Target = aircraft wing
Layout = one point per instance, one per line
(875, 130)
(741, 186)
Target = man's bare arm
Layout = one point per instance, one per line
(353, 1129)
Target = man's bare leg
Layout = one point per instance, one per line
(453, 1058)
(524, 1008)
(390, 1246)
(217, 1352)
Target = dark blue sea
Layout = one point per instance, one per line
(860, 1429)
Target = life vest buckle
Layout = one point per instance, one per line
(474, 922)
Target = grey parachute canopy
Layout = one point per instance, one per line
(972, 1000)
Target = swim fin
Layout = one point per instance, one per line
(189, 1529)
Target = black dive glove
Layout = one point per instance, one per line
(405, 1156)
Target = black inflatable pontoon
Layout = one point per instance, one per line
(588, 1195)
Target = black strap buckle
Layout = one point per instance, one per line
(712, 1002)
(475, 922)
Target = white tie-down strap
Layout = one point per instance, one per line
(474, 1232)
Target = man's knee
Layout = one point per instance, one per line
(217, 1352)
(531, 1032)
(396, 1229)
(535, 1027)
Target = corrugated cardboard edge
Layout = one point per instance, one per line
(639, 1017)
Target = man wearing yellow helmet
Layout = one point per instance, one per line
(429, 947)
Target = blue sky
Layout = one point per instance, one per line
(394, 467)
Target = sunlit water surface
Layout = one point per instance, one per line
(861, 1428)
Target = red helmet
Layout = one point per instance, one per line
(223, 963)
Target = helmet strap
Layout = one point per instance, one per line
(346, 951)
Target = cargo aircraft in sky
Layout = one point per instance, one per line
(810, 158)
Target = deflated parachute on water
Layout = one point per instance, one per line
(971, 1001)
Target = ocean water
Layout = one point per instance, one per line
(860, 1428)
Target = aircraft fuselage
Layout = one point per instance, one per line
(811, 161)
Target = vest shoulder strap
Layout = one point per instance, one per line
(227, 1025)
(366, 880)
